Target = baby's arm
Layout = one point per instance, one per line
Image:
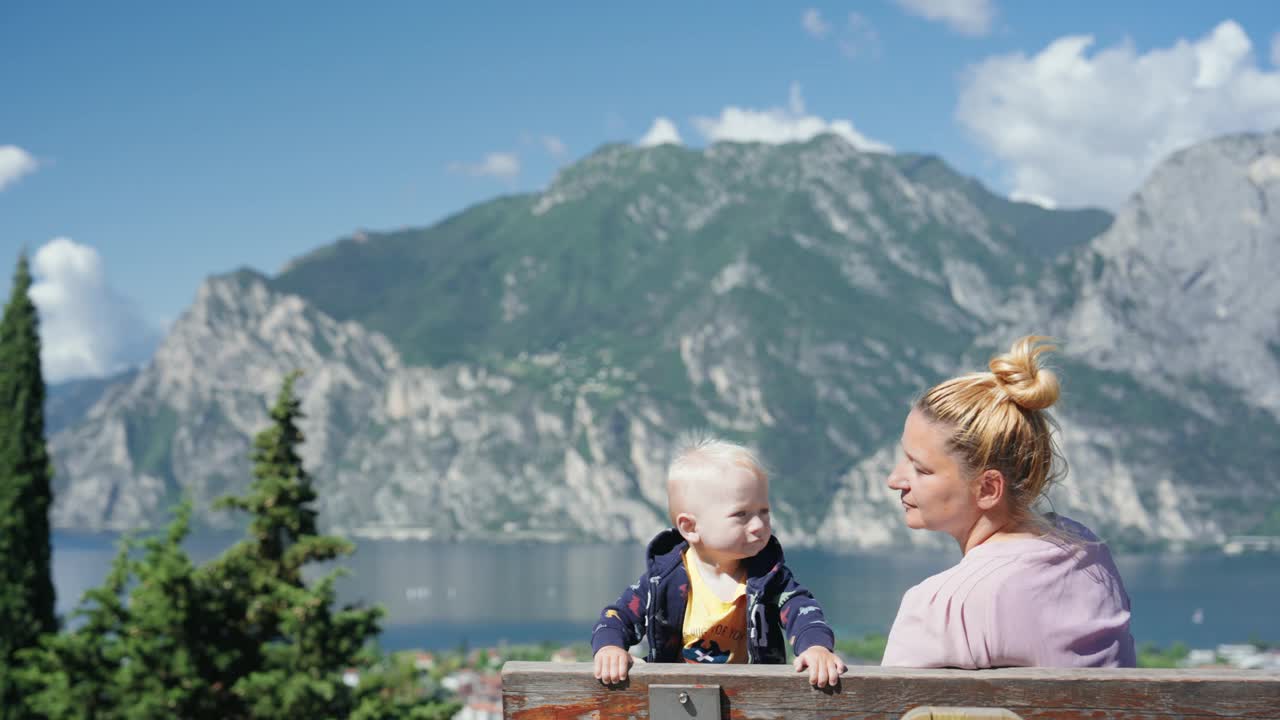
(812, 639)
(621, 625)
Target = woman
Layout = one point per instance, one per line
(1030, 589)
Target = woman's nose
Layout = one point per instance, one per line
(897, 479)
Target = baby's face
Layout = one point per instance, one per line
(731, 508)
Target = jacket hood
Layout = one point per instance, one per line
(666, 551)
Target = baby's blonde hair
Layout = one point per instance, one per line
(696, 453)
(1000, 421)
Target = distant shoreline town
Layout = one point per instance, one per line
(1241, 544)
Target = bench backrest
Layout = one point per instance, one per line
(543, 691)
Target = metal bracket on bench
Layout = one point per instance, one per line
(681, 702)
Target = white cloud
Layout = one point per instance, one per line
(662, 132)
(504, 166)
(1022, 197)
(970, 17)
(87, 328)
(1275, 50)
(859, 38)
(795, 99)
(781, 125)
(814, 24)
(554, 146)
(14, 163)
(1086, 130)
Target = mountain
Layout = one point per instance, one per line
(524, 366)
(1188, 272)
(1045, 234)
(67, 402)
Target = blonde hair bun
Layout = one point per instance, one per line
(1019, 374)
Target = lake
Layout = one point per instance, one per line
(440, 595)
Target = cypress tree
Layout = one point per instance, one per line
(26, 584)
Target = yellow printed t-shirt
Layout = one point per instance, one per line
(714, 631)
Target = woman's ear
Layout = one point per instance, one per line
(688, 527)
(990, 490)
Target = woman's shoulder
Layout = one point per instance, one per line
(1020, 567)
(1068, 564)
(1062, 528)
(1058, 539)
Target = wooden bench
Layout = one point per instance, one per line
(551, 691)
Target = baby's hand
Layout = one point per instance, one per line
(612, 663)
(824, 666)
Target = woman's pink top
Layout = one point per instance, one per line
(1035, 602)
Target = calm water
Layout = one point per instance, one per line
(440, 595)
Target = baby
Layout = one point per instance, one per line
(716, 589)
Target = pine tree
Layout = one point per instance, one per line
(295, 643)
(243, 636)
(280, 501)
(144, 658)
(291, 647)
(72, 674)
(295, 639)
(26, 585)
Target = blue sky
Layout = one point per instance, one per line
(161, 143)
